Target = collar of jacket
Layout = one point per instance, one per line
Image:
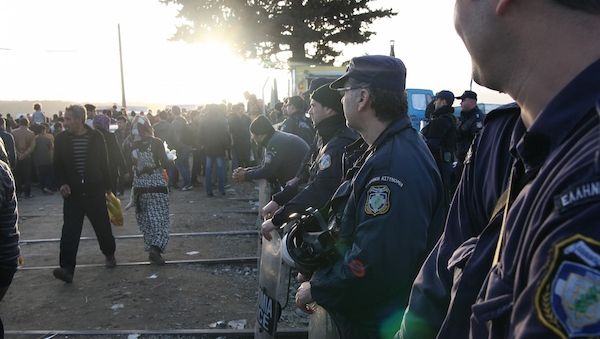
(468, 114)
(330, 126)
(443, 110)
(267, 138)
(393, 128)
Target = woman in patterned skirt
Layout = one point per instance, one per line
(150, 193)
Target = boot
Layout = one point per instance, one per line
(64, 275)
(155, 256)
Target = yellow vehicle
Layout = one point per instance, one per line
(302, 74)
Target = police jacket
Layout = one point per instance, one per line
(392, 209)
(469, 124)
(325, 170)
(456, 267)
(298, 124)
(283, 156)
(440, 134)
(546, 282)
(96, 179)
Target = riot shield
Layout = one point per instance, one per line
(273, 278)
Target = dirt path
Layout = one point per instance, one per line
(175, 296)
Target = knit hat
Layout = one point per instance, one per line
(261, 126)
(101, 121)
(329, 98)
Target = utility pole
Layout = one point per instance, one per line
(123, 102)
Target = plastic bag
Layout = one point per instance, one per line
(171, 153)
(115, 213)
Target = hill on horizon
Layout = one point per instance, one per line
(50, 107)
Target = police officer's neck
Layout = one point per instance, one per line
(372, 129)
(546, 68)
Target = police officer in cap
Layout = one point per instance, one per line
(449, 280)
(325, 168)
(543, 280)
(545, 271)
(283, 155)
(296, 121)
(469, 123)
(388, 211)
(440, 135)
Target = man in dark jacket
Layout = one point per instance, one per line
(284, 153)
(470, 123)
(325, 166)
(296, 122)
(81, 169)
(440, 135)
(116, 161)
(215, 142)
(239, 128)
(387, 213)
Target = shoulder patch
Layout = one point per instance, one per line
(568, 299)
(578, 194)
(378, 200)
(269, 156)
(324, 162)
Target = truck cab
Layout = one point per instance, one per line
(418, 99)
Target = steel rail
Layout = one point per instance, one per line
(289, 333)
(136, 236)
(214, 261)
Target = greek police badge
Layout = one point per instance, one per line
(268, 157)
(324, 162)
(378, 200)
(568, 299)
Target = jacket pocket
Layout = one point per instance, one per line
(457, 262)
(492, 315)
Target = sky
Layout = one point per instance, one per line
(68, 50)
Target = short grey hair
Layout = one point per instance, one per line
(77, 111)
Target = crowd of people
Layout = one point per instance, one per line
(472, 227)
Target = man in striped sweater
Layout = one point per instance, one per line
(81, 170)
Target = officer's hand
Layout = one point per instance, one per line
(65, 190)
(239, 174)
(266, 228)
(303, 278)
(304, 298)
(269, 210)
(292, 182)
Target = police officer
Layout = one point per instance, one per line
(325, 168)
(283, 155)
(388, 209)
(440, 135)
(449, 280)
(469, 123)
(545, 264)
(296, 121)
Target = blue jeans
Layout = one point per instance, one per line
(183, 165)
(220, 162)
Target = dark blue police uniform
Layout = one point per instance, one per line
(283, 156)
(547, 280)
(325, 171)
(450, 279)
(391, 212)
(298, 124)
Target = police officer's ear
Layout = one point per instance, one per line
(363, 98)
